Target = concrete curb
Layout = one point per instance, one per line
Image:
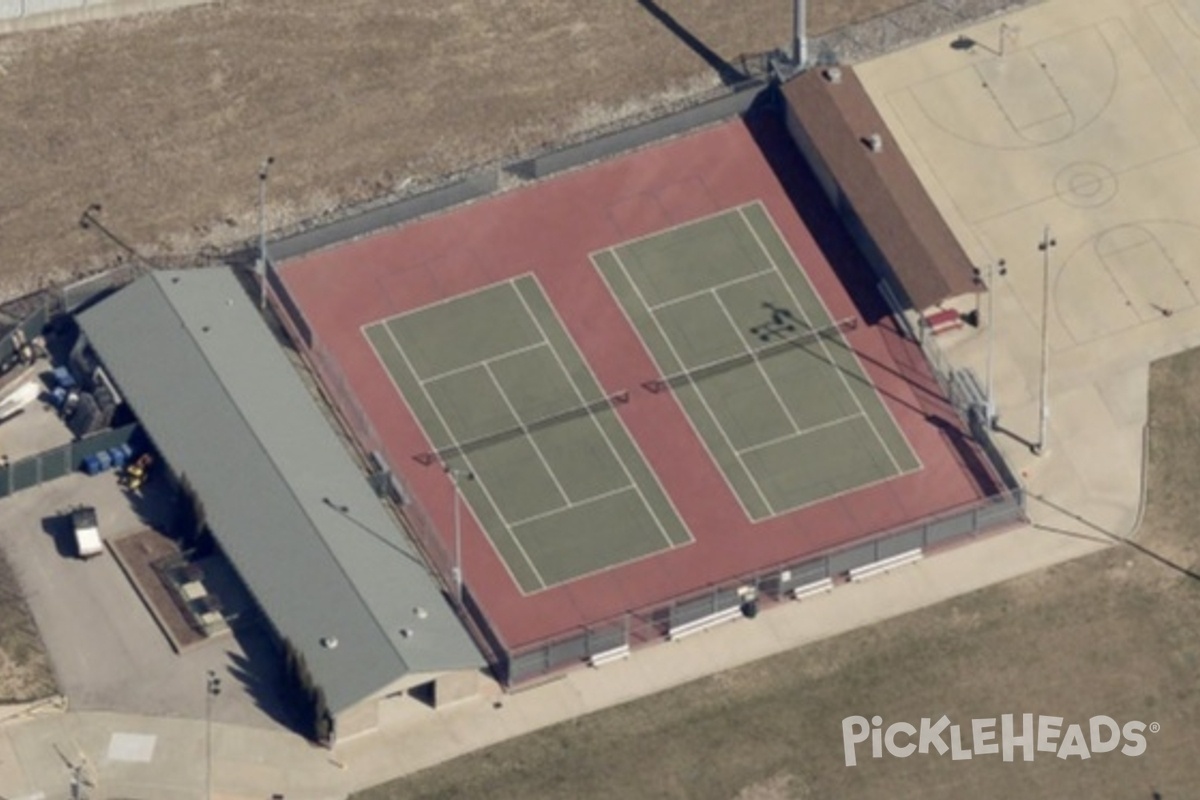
(137, 587)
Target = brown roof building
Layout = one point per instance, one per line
(874, 188)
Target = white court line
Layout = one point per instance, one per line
(699, 393)
(486, 362)
(854, 354)
(529, 436)
(701, 292)
(443, 301)
(478, 477)
(677, 226)
(800, 434)
(593, 499)
(691, 423)
(824, 346)
(592, 416)
(404, 401)
(757, 359)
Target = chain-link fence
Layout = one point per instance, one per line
(910, 24)
(73, 297)
(770, 585)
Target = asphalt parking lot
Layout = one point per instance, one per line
(107, 651)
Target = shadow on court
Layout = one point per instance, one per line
(807, 197)
(968, 455)
(781, 330)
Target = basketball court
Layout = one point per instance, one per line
(1080, 116)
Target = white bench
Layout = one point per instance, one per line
(883, 565)
(608, 656)
(704, 623)
(810, 589)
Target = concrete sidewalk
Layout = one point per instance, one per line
(255, 763)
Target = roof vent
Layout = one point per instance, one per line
(406, 633)
(875, 142)
(421, 612)
(833, 75)
(329, 642)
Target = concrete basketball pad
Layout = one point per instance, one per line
(1080, 116)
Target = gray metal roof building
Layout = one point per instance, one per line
(282, 496)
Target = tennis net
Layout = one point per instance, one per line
(782, 343)
(523, 428)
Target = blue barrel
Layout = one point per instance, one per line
(118, 457)
(91, 465)
(63, 377)
(105, 460)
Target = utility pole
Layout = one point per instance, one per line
(263, 173)
(1044, 417)
(212, 690)
(455, 476)
(993, 268)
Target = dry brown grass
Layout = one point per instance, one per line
(1112, 634)
(164, 119)
(25, 671)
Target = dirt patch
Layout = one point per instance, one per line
(25, 670)
(164, 119)
(1112, 634)
(138, 554)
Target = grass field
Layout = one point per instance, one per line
(1111, 634)
(25, 672)
(164, 119)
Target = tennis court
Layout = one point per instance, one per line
(763, 372)
(542, 457)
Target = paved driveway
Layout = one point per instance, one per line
(107, 651)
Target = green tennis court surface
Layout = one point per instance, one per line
(761, 369)
(501, 391)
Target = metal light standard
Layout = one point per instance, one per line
(211, 691)
(799, 34)
(992, 269)
(1044, 246)
(455, 476)
(263, 173)
(89, 220)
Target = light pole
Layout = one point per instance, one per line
(88, 220)
(1044, 245)
(211, 690)
(263, 173)
(998, 267)
(799, 34)
(455, 476)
